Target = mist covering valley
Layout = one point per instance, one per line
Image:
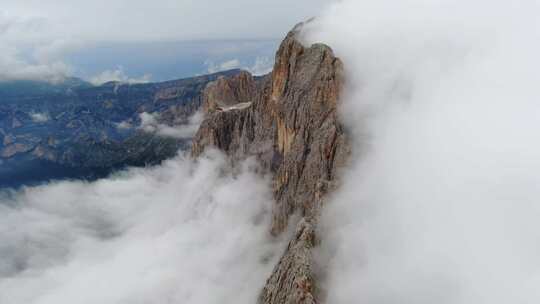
(437, 202)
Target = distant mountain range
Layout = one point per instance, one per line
(73, 129)
(171, 60)
(11, 91)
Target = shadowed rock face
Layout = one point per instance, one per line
(292, 127)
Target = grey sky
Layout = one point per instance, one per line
(35, 35)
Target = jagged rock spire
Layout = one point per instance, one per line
(291, 125)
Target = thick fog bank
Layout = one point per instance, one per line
(441, 203)
(182, 232)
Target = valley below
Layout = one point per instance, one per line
(76, 130)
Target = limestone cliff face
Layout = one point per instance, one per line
(226, 92)
(288, 120)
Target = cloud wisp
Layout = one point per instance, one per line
(441, 202)
(150, 124)
(182, 232)
(260, 66)
(40, 117)
(224, 66)
(118, 75)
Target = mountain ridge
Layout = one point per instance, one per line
(290, 124)
(90, 131)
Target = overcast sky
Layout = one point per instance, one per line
(36, 35)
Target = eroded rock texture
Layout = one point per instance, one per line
(226, 92)
(290, 124)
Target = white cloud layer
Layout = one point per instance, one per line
(442, 105)
(183, 232)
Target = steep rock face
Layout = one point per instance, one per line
(226, 92)
(291, 126)
(239, 132)
(293, 279)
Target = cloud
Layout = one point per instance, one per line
(20, 36)
(36, 36)
(183, 232)
(150, 123)
(165, 19)
(118, 75)
(124, 125)
(261, 66)
(440, 204)
(14, 67)
(224, 66)
(39, 117)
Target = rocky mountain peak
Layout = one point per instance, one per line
(289, 121)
